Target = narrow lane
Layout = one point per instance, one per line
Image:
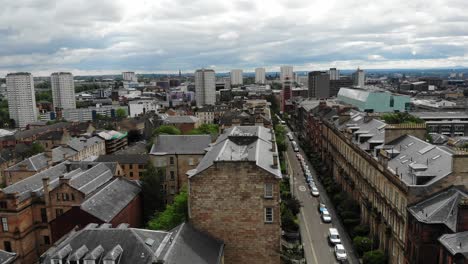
(313, 231)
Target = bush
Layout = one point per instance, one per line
(348, 214)
(293, 204)
(174, 215)
(361, 230)
(339, 198)
(288, 220)
(362, 244)
(374, 257)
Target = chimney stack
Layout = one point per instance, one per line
(275, 160)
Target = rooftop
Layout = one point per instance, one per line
(183, 244)
(180, 119)
(34, 163)
(181, 144)
(456, 243)
(243, 143)
(124, 158)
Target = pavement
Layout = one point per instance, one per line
(313, 231)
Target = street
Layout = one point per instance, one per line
(313, 231)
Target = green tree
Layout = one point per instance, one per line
(374, 257)
(280, 134)
(211, 129)
(401, 118)
(44, 96)
(121, 113)
(166, 130)
(151, 181)
(174, 215)
(36, 148)
(362, 244)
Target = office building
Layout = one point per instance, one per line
(21, 98)
(129, 76)
(374, 100)
(286, 94)
(359, 78)
(205, 87)
(286, 72)
(334, 74)
(260, 75)
(243, 163)
(63, 90)
(342, 82)
(236, 77)
(319, 84)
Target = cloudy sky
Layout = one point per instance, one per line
(109, 36)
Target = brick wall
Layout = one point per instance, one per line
(227, 201)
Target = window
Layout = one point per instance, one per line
(3, 204)
(392, 101)
(130, 166)
(268, 215)
(58, 212)
(47, 240)
(72, 197)
(268, 190)
(131, 174)
(172, 175)
(171, 160)
(190, 161)
(7, 246)
(5, 224)
(43, 215)
(58, 196)
(141, 167)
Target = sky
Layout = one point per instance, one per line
(92, 37)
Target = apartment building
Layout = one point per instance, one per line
(178, 154)
(28, 207)
(235, 197)
(114, 140)
(133, 165)
(21, 98)
(63, 90)
(210, 114)
(452, 124)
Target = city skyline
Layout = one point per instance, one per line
(108, 37)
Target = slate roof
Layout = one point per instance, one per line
(82, 177)
(125, 159)
(107, 202)
(7, 257)
(39, 130)
(137, 148)
(242, 143)
(51, 135)
(441, 208)
(456, 243)
(80, 143)
(61, 153)
(33, 163)
(183, 244)
(180, 119)
(180, 144)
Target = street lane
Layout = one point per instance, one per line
(313, 230)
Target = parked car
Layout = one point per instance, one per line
(290, 136)
(334, 236)
(309, 179)
(321, 207)
(326, 217)
(314, 191)
(340, 252)
(295, 148)
(311, 184)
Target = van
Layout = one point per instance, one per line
(333, 236)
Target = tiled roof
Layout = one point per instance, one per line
(183, 244)
(125, 159)
(62, 153)
(180, 144)
(441, 208)
(180, 119)
(243, 143)
(107, 202)
(80, 143)
(34, 163)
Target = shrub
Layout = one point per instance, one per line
(362, 244)
(288, 220)
(293, 204)
(361, 230)
(374, 257)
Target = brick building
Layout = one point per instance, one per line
(29, 206)
(133, 165)
(184, 123)
(235, 197)
(53, 139)
(178, 154)
(26, 168)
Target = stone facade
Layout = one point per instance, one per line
(228, 201)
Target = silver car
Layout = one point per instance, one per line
(340, 252)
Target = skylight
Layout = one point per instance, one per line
(426, 149)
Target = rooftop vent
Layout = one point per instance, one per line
(149, 242)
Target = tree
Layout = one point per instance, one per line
(151, 181)
(44, 96)
(401, 118)
(36, 148)
(166, 130)
(280, 134)
(374, 257)
(362, 244)
(174, 215)
(211, 129)
(121, 113)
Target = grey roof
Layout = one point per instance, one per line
(183, 244)
(34, 163)
(7, 257)
(441, 208)
(125, 159)
(243, 143)
(39, 130)
(456, 243)
(106, 203)
(441, 115)
(61, 153)
(180, 119)
(413, 152)
(51, 135)
(79, 144)
(81, 177)
(137, 148)
(180, 144)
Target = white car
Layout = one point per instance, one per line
(326, 217)
(334, 236)
(315, 192)
(340, 252)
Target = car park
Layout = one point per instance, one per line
(334, 236)
(340, 252)
(326, 217)
(314, 191)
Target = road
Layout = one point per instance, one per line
(313, 230)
